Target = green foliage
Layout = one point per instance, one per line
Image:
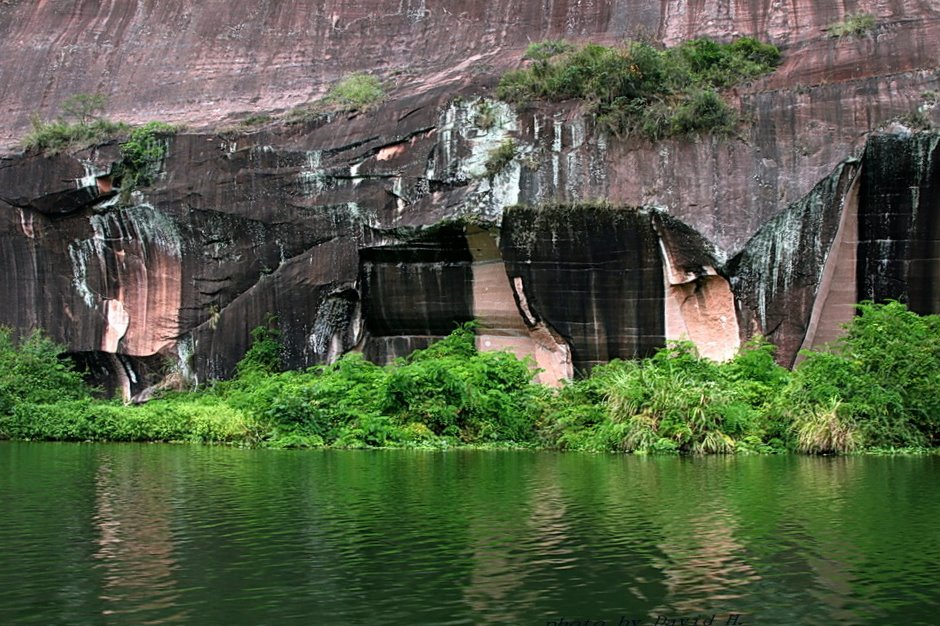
(84, 107)
(855, 25)
(821, 430)
(34, 370)
(54, 137)
(500, 157)
(142, 154)
(703, 112)
(448, 391)
(356, 92)
(877, 389)
(544, 50)
(264, 355)
(198, 419)
(459, 392)
(88, 127)
(883, 377)
(675, 402)
(639, 88)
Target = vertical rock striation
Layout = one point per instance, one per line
(899, 221)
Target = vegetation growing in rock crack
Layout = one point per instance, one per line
(141, 155)
(877, 389)
(500, 157)
(854, 25)
(640, 89)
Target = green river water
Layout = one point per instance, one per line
(162, 534)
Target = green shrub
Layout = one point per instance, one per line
(703, 112)
(356, 92)
(544, 50)
(88, 127)
(142, 155)
(854, 25)
(35, 370)
(264, 355)
(884, 376)
(84, 107)
(638, 88)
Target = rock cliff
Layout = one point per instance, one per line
(379, 230)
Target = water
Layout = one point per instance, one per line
(158, 534)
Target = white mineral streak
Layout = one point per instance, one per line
(185, 349)
(92, 173)
(466, 145)
(312, 177)
(26, 224)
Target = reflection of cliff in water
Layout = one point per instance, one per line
(136, 549)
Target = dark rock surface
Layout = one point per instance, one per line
(899, 221)
(593, 274)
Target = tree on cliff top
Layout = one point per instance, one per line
(84, 107)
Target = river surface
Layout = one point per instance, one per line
(162, 534)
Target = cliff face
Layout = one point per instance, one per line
(380, 230)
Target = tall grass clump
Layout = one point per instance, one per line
(637, 88)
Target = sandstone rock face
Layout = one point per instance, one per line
(380, 230)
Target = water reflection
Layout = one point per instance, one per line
(135, 544)
(164, 535)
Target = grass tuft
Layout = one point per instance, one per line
(854, 25)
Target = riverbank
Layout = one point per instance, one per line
(877, 391)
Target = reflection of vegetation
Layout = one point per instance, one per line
(879, 388)
(639, 88)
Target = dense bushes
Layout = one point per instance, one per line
(639, 88)
(142, 154)
(675, 401)
(356, 92)
(82, 125)
(878, 388)
(33, 370)
(880, 384)
(447, 394)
